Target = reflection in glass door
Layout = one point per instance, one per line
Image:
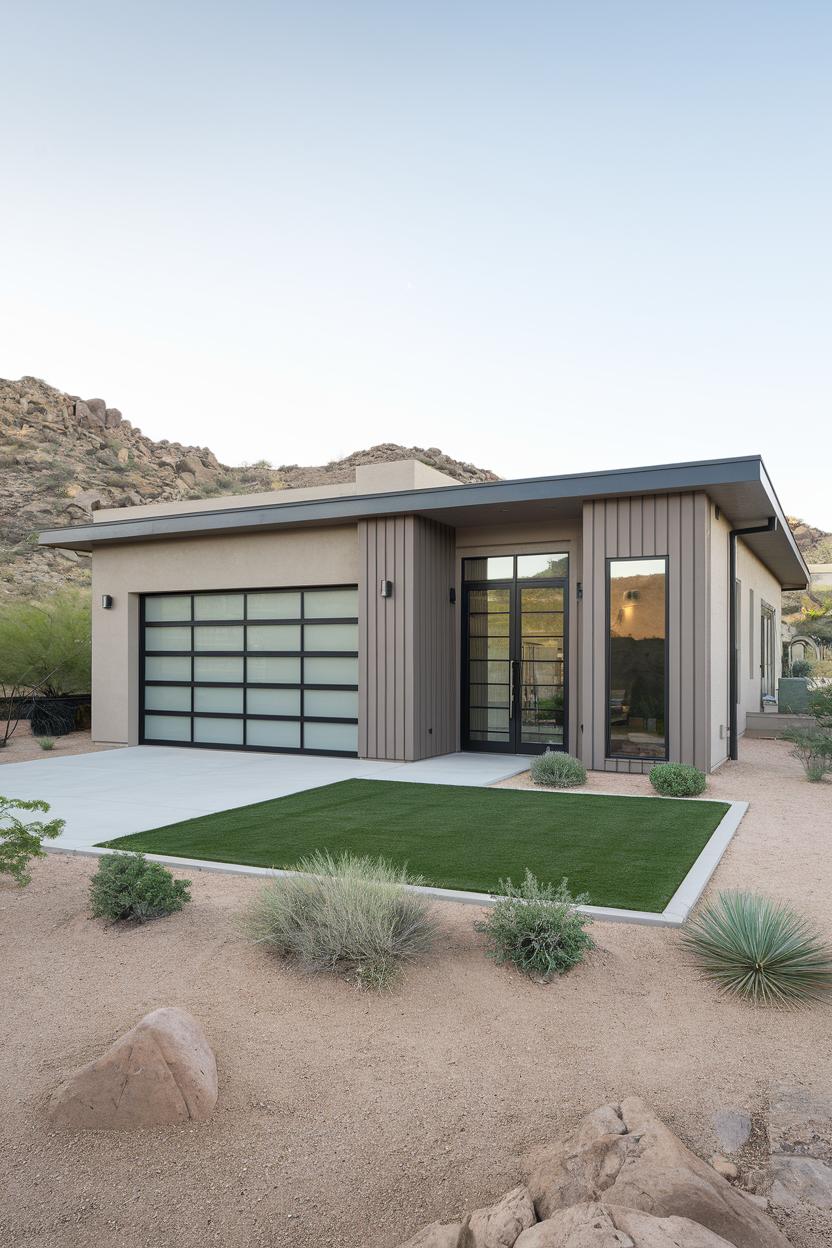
(514, 653)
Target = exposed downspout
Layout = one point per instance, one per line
(733, 676)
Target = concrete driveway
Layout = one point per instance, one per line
(115, 792)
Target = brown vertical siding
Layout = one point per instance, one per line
(674, 525)
(407, 665)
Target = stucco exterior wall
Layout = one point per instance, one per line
(314, 556)
(755, 585)
(758, 586)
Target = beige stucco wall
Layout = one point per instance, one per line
(319, 556)
(753, 578)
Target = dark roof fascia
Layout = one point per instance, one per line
(649, 480)
(652, 479)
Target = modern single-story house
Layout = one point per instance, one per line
(626, 616)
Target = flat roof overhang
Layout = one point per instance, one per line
(740, 487)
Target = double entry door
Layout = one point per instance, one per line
(514, 647)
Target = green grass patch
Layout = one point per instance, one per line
(631, 852)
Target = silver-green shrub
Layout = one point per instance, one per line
(555, 770)
(537, 927)
(678, 780)
(351, 914)
(760, 949)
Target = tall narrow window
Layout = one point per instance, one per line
(637, 658)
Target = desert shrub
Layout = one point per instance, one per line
(127, 886)
(678, 780)
(822, 669)
(537, 927)
(46, 743)
(350, 914)
(812, 747)
(820, 706)
(760, 949)
(557, 771)
(21, 842)
(46, 644)
(801, 667)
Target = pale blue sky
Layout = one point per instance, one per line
(546, 237)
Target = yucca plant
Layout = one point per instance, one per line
(760, 949)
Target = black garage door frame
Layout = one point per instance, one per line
(302, 654)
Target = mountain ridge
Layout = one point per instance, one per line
(62, 457)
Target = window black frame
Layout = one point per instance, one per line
(301, 719)
(636, 758)
(515, 745)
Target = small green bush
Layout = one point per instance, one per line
(678, 780)
(554, 770)
(812, 747)
(801, 667)
(759, 949)
(820, 706)
(21, 842)
(351, 914)
(537, 927)
(127, 886)
(46, 743)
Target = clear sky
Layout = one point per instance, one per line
(545, 237)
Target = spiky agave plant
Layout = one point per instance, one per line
(760, 949)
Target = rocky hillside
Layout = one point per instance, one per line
(61, 457)
(815, 545)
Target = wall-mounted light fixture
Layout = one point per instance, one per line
(452, 595)
(106, 601)
(386, 589)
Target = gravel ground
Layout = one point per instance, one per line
(24, 748)
(350, 1120)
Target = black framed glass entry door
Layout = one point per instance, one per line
(514, 693)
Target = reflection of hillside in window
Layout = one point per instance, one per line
(637, 662)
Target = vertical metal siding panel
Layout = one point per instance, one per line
(401, 651)
(673, 549)
(701, 633)
(648, 525)
(622, 529)
(637, 526)
(599, 628)
(687, 695)
(661, 529)
(391, 607)
(362, 639)
(585, 650)
(411, 640)
(369, 693)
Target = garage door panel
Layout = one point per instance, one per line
(269, 669)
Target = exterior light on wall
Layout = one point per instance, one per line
(386, 589)
(106, 601)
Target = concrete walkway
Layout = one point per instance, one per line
(115, 792)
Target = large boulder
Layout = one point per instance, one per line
(611, 1226)
(159, 1073)
(625, 1155)
(498, 1226)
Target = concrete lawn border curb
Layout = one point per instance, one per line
(674, 914)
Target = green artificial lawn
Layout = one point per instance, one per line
(631, 852)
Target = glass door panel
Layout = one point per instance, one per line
(489, 666)
(541, 629)
(514, 646)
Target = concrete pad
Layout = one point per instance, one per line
(116, 792)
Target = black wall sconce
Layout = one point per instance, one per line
(106, 601)
(452, 595)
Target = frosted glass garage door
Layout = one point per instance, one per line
(266, 670)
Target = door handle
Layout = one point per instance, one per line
(512, 683)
